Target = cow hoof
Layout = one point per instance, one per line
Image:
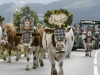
(9, 61)
(54, 73)
(41, 64)
(34, 67)
(4, 59)
(17, 59)
(24, 55)
(27, 69)
(44, 57)
(86, 54)
(68, 56)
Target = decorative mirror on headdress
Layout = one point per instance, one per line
(27, 26)
(58, 18)
(89, 32)
(89, 35)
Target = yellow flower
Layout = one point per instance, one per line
(57, 13)
(69, 14)
(53, 12)
(63, 25)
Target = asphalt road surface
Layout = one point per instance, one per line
(77, 64)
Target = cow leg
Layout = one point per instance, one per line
(90, 51)
(28, 59)
(52, 60)
(17, 57)
(15, 53)
(41, 57)
(86, 52)
(3, 56)
(44, 53)
(9, 55)
(68, 55)
(60, 68)
(19, 53)
(53, 70)
(36, 58)
(25, 52)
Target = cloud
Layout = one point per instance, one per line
(81, 4)
(23, 2)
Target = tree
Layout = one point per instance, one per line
(1, 20)
(25, 10)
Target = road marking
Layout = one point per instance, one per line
(96, 53)
(95, 70)
(95, 63)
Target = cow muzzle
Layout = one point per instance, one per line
(60, 48)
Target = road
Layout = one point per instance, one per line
(77, 64)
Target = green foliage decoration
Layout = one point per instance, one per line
(57, 12)
(17, 16)
(1, 20)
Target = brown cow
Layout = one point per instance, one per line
(13, 39)
(34, 46)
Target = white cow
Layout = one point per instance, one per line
(57, 49)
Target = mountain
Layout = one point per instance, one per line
(76, 7)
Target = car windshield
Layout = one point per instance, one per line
(84, 26)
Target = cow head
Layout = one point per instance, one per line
(58, 38)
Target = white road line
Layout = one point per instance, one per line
(95, 63)
(96, 54)
(95, 70)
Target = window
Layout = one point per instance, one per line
(98, 26)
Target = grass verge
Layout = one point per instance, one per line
(12, 53)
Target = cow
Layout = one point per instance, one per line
(0, 33)
(12, 39)
(4, 45)
(34, 46)
(71, 39)
(57, 41)
(88, 44)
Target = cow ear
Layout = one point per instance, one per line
(35, 34)
(19, 34)
(49, 31)
(68, 28)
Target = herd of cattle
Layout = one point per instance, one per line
(57, 45)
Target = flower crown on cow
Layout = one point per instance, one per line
(58, 18)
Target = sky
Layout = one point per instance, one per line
(81, 4)
(76, 4)
(27, 1)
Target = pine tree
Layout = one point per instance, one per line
(1, 20)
